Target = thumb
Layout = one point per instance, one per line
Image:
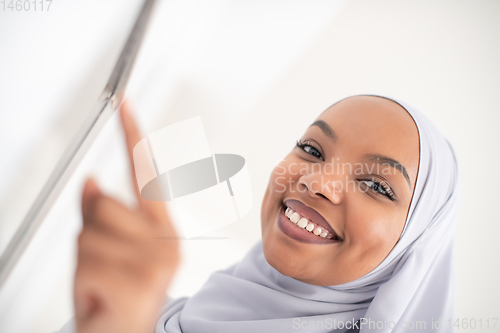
(90, 192)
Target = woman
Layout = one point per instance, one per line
(357, 233)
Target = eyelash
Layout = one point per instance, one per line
(303, 144)
(386, 189)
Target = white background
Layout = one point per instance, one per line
(258, 73)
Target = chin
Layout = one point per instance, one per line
(289, 269)
(282, 265)
(280, 257)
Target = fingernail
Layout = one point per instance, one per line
(127, 106)
(124, 107)
(91, 187)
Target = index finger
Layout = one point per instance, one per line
(155, 209)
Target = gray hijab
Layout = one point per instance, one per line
(411, 289)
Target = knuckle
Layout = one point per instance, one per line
(83, 239)
(99, 206)
(87, 266)
(90, 208)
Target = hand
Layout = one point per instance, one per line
(123, 267)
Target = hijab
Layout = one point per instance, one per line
(411, 289)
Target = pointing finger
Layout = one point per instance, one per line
(154, 209)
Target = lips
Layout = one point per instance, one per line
(311, 215)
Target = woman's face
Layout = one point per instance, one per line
(349, 180)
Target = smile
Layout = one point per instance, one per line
(305, 224)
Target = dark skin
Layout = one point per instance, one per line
(367, 221)
(124, 269)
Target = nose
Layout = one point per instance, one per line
(318, 185)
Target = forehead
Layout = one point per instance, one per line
(375, 125)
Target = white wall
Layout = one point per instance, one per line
(258, 73)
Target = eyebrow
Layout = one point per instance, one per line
(381, 159)
(326, 129)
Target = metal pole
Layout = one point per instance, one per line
(109, 101)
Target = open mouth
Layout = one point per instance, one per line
(305, 224)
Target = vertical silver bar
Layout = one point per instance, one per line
(110, 99)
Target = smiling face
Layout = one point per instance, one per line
(336, 205)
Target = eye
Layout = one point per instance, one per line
(379, 188)
(310, 147)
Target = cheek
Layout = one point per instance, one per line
(374, 229)
(280, 180)
(281, 177)
(276, 186)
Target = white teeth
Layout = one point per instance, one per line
(304, 223)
